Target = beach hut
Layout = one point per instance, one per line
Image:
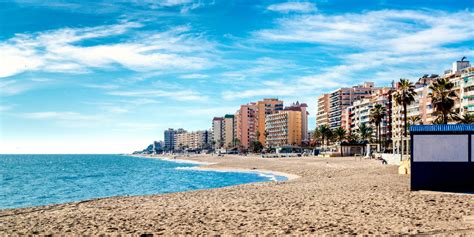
(353, 148)
(441, 157)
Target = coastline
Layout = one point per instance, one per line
(208, 166)
(331, 196)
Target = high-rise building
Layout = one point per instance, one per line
(359, 113)
(302, 107)
(169, 135)
(265, 107)
(383, 96)
(228, 128)
(420, 108)
(237, 128)
(467, 92)
(284, 128)
(342, 98)
(322, 116)
(246, 124)
(193, 140)
(218, 132)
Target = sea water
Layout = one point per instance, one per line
(34, 180)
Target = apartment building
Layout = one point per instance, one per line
(359, 113)
(246, 124)
(193, 140)
(301, 107)
(228, 131)
(265, 107)
(322, 116)
(467, 92)
(169, 138)
(342, 98)
(218, 132)
(284, 128)
(461, 75)
(421, 107)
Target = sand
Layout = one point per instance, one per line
(322, 196)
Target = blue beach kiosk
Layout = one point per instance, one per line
(442, 157)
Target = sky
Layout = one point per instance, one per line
(109, 76)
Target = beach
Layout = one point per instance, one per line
(321, 196)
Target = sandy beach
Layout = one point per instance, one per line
(322, 196)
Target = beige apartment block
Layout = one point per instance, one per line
(322, 116)
(284, 128)
(228, 131)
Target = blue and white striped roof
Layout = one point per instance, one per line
(443, 128)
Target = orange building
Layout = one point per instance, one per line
(246, 124)
(264, 108)
(285, 128)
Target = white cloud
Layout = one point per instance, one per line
(376, 46)
(286, 7)
(399, 30)
(178, 95)
(60, 50)
(61, 116)
(4, 108)
(101, 86)
(194, 76)
(13, 87)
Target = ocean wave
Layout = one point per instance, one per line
(186, 168)
(271, 177)
(268, 176)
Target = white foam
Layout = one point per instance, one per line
(185, 168)
(270, 176)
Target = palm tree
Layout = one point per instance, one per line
(414, 120)
(365, 132)
(466, 119)
(443, 98)
(340, 135)
(404, 96)
(353, 137)
(323, 130)
(317, 135)
(377, 113)
(329, 136)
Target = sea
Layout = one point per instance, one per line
(36, 180)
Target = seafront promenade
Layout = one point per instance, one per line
(322, 196)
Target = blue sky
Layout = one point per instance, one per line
(110, 76)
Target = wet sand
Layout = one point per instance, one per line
(322, 196)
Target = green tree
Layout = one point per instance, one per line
(377, 113)
(353, 137)
(324, 130)
(466, 119)
(404, 96)
(316, 136)
(365, 132)
(256, 146)
(443, 98)
(340, 135)
(415, 120)
(329, 136)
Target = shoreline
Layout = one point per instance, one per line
(207, 166)
(333, 196)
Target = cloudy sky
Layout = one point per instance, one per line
(109, 76)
